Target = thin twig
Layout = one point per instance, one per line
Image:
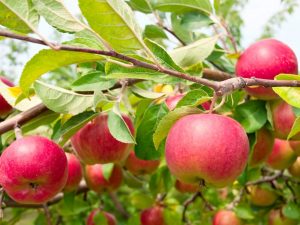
(187, 203)
(18, 131)
(236, 200)
(213, 102)
(118, 205)
(265, 179)
(1, 200)
(47, 214)
(206, 203)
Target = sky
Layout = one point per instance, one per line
(255, 15)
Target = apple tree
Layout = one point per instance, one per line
(168, 123)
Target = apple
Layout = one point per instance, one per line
(96, 181)
(283, 119)
(153, 216)
(5, 108)
(282, 155)
(295, 168)
(74, 174)
(111, 220)
(206, 147)
(226, 217)
(261, 196)
(94, 144)
(140, 167)
(296, 147)
(265, 59)
(172, 101)
(33, 170)
(262, 148)
(276, 217)
(186, 188)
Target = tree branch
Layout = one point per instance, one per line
(118, 205)
(187, 203)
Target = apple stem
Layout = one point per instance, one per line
(18, 132)
(47, 214)
(1, 200)
(213, 102)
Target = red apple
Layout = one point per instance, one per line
(97, 182)
(283, 119)
(153, 216)
(261, 196)
(262, 148)
(206, 147)
(265, 59)
(295, 168)
(276, 217)
(226, 217)
(5, 108)
(111, 220)
(185, 187)
(282, 155)
(296, 147)
(74, 174)
(33, 170)
(94, 143)
(140, 167)
(172, 101)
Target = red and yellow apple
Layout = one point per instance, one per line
(265, 59)
(208, 147)
(33, 170)
(226, 217)
(295, 168)
(296, 147)
(110, 218)
(172, 101)
(5, 108)
(186, 188)
(94, 143)
(261, 196)
(276, 217)
(74, 174)
(153, 216)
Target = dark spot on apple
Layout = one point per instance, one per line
(33, 186)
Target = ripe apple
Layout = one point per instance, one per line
(96, 181)
(111, 220)
(172, 101)
(295, 168)
(185, 187)
(261, 196)
(226, 217)
(276, 217)
(282, 155)
(94, 143)
(74, 174)
(153, 216)
(262, 148)
(206, 147)
(296, 147)
(140, 167)
(283, 119)
(5, 108)
(265, 59)
(33, 170)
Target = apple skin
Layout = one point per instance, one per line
(226, 217)
(276, 217)
(186, 188)
(295, 168)
(152, 216)
(266, 59)
(5, 108)
(33, 170)
(260, 196)
(140, 167)
(283, 119)
(96, 181)
(282, 155)
(263, 147)
(74, 174)
(94, 144)
(296, 147)
(205, 147)
(172, 101)
(111, 219)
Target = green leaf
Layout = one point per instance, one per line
(172, 217)
(194, 98)
(145, 149)
(57, 15)
(166, 123)
(140, 5)
(118, 128)
(183, 5)
(114, 21)
(107, 170)
(141, 200)
(153, 32)
(295, 129)
(48, 60)
(92, 81)
(289, 94)
(195, 52)
(145, 93)
(61, 100)
(291, 211)
(252, 115)
(18, 15)
(161, 181)
(244, 211)
(195, 20)
(69, 128)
